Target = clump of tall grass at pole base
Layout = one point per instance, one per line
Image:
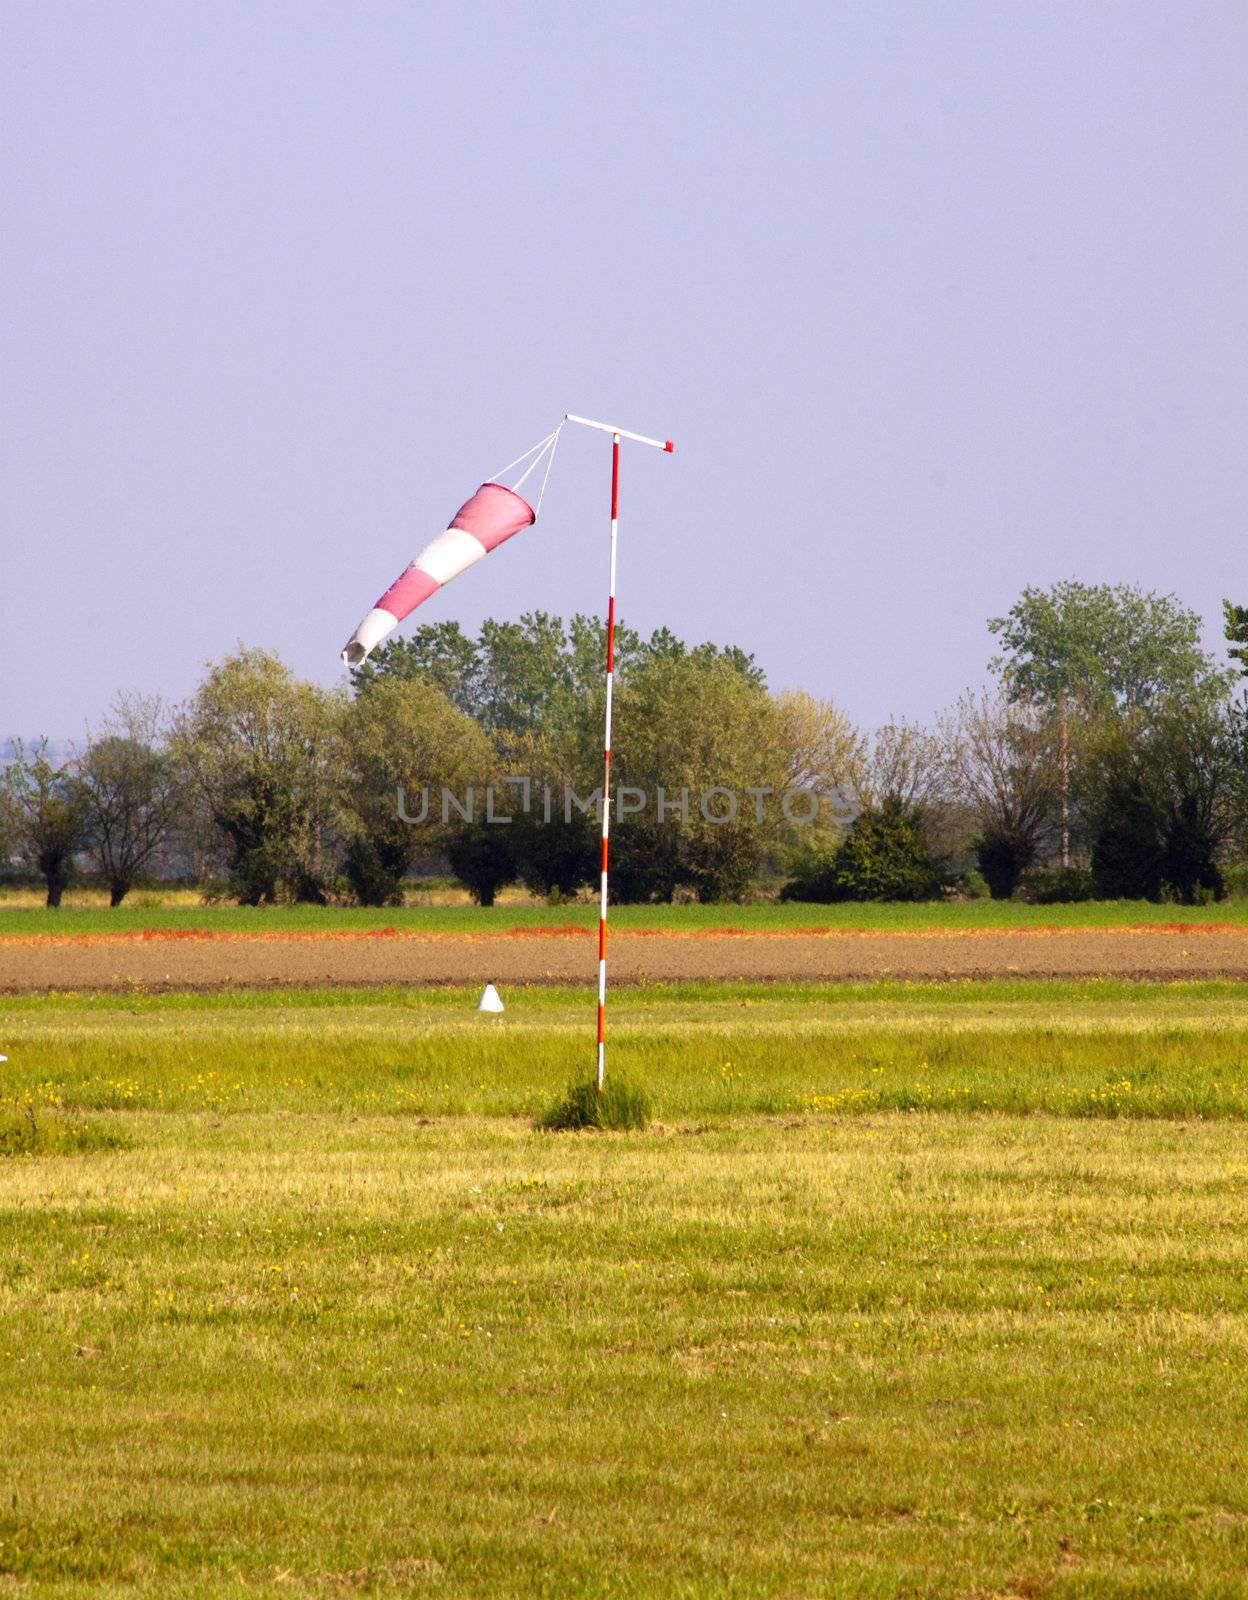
(621, 1104)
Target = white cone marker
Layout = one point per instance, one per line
(490, 1000)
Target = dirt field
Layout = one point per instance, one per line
(202, 960)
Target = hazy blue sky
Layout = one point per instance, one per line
(937, 300)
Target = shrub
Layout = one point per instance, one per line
(556, 857)
(621, 1105)
(883, 858)
(1051, 886)
(1235, 881)
(484, 861)
(1004, 854)
(375, 870)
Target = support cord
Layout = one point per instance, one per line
(543, 450)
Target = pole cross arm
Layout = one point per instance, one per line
(622, 433)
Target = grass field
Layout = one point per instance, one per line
(1097, 1048)
(913, 1290)
(25, 921)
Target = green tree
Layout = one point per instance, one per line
(694, 722)
(259, 751)
(1127, 857)
(560, 855)
(1099, 650)
(528, 671)
(1164, 802)
(536, 687)
(1195, 772)
(558, 851)
(1235, 630)
(403, 742)
(518, 679)
(822, 748)
(439, 652)
(44, 815)
(530, 677)
(131, 793)
(665, 646)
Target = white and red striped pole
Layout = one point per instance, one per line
(606, 764)
(659, 444)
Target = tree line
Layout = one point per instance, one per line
(1108, 757)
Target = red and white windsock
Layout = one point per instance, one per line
(479, 526)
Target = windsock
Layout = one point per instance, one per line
(479, 526)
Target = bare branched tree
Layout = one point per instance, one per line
(1004, 759)
(903, 763)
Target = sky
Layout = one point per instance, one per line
(937, 300)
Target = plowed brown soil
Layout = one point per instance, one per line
(190, 959)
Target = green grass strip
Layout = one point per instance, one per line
(770, 917)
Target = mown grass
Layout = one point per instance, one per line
(31, 921)
(936, 1355)
(323, 1326)
(1077, 1049)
